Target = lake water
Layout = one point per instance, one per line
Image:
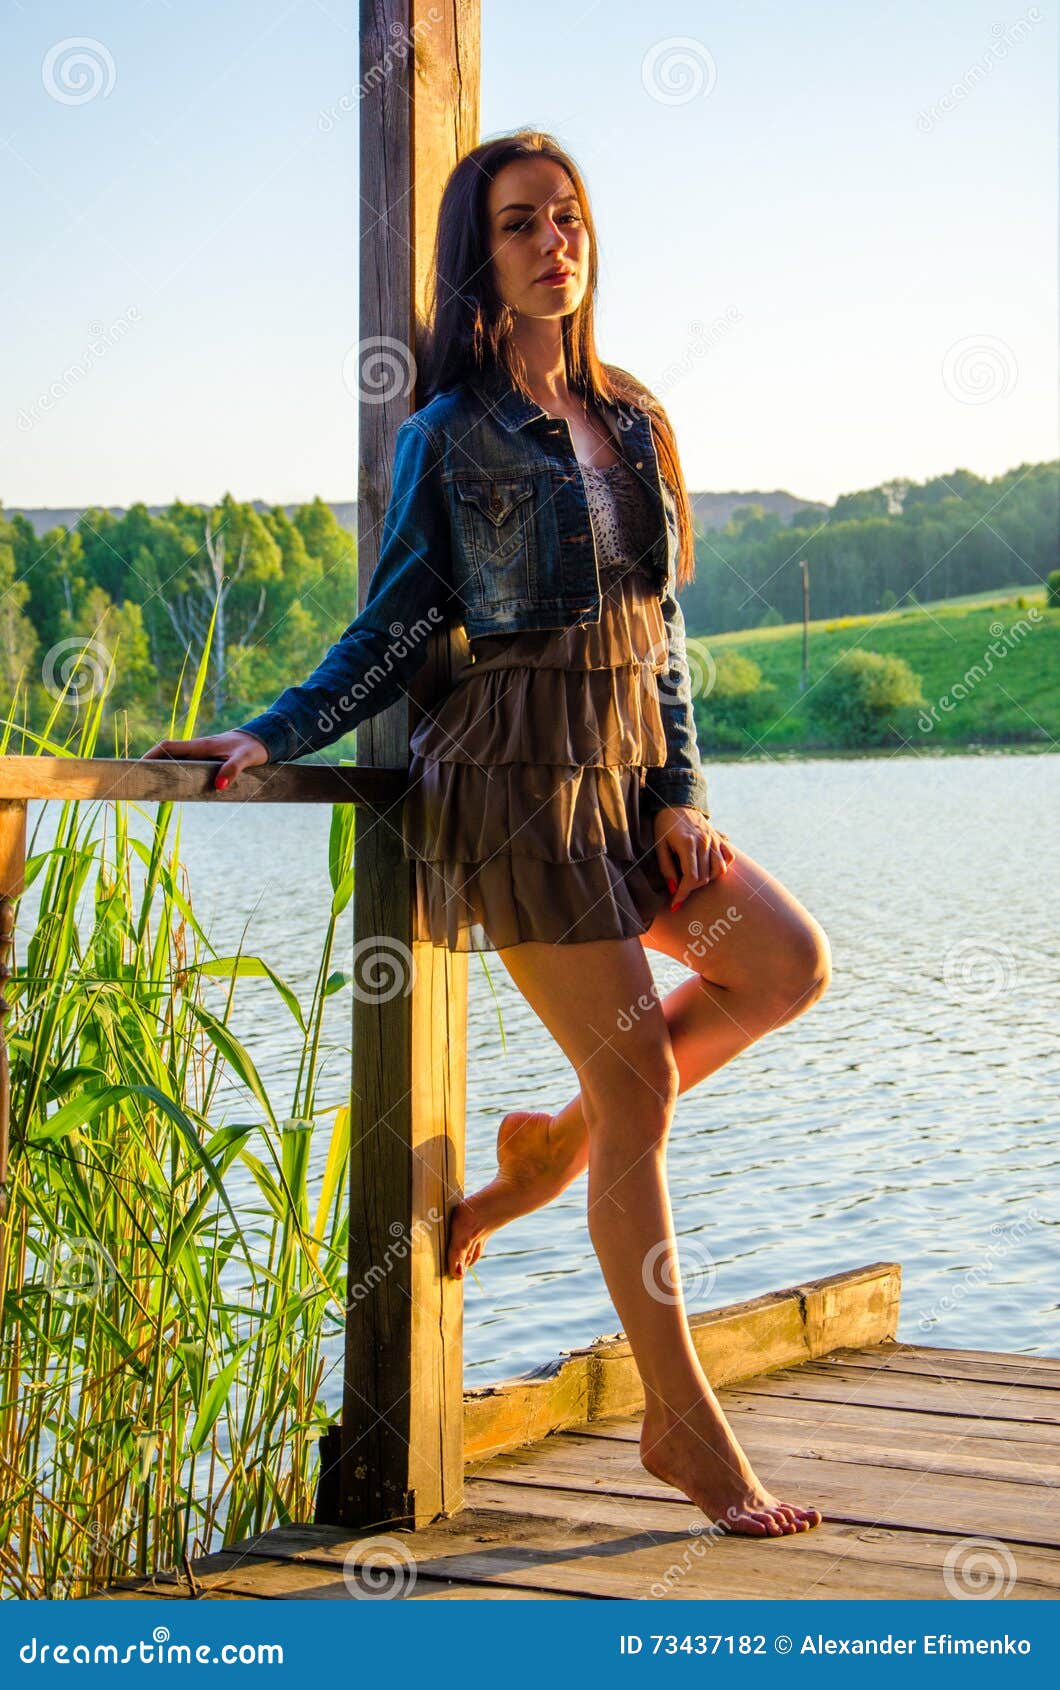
(910, 1116)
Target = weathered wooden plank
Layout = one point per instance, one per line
(184, 781)
(1015, 1357)
(988, 1367)
(893, 1425)
(624, 1559)
(231, 1577)
(738, 1341)
(507, 1503)
(933, 1449)
(879, 1548)
(935, 1501)
(918, 1391)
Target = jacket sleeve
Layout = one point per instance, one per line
(409, 597)
(681, 781)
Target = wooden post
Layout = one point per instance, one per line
(398, 1456)
(12, 881)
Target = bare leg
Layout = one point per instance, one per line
(758, 960)
(629, 1087)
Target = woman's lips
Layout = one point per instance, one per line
(555, 280)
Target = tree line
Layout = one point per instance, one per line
(115, 610)
(901, 542)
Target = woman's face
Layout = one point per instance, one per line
(535, 226)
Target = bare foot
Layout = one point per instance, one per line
(534, 1164)
(701, 1457)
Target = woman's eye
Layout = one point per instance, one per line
(567, 217)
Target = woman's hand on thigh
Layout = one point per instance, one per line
(690, 849)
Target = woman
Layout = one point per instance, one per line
(556, 809)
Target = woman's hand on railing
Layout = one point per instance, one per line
(234, 750)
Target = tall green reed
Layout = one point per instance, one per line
(162, 1353)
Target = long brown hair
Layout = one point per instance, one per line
(470, 329)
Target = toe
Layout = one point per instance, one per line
(773, 1527)
(748, 1525)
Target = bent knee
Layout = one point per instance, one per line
(801, 970)
(638, 1091)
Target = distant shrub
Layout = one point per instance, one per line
(1052, 595)
(865, 698)
(736, 699)
(887, 599)
(736, 676)
(772, 618)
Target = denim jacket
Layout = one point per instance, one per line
(488, 523)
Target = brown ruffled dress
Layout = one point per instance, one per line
(523, 813)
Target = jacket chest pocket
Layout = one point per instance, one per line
(495, 526)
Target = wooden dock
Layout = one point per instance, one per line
(936, 1471)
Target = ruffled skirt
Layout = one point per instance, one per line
(523, 813)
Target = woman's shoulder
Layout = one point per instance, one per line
(446, 410)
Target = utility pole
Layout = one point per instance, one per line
(804, 566)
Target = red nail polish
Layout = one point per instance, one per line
(222, 782)
(671, 886)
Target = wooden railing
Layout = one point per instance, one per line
(397, 1455)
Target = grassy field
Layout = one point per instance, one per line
(989, 671)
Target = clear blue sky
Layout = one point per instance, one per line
(874, 288)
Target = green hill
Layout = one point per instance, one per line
(988, 667)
